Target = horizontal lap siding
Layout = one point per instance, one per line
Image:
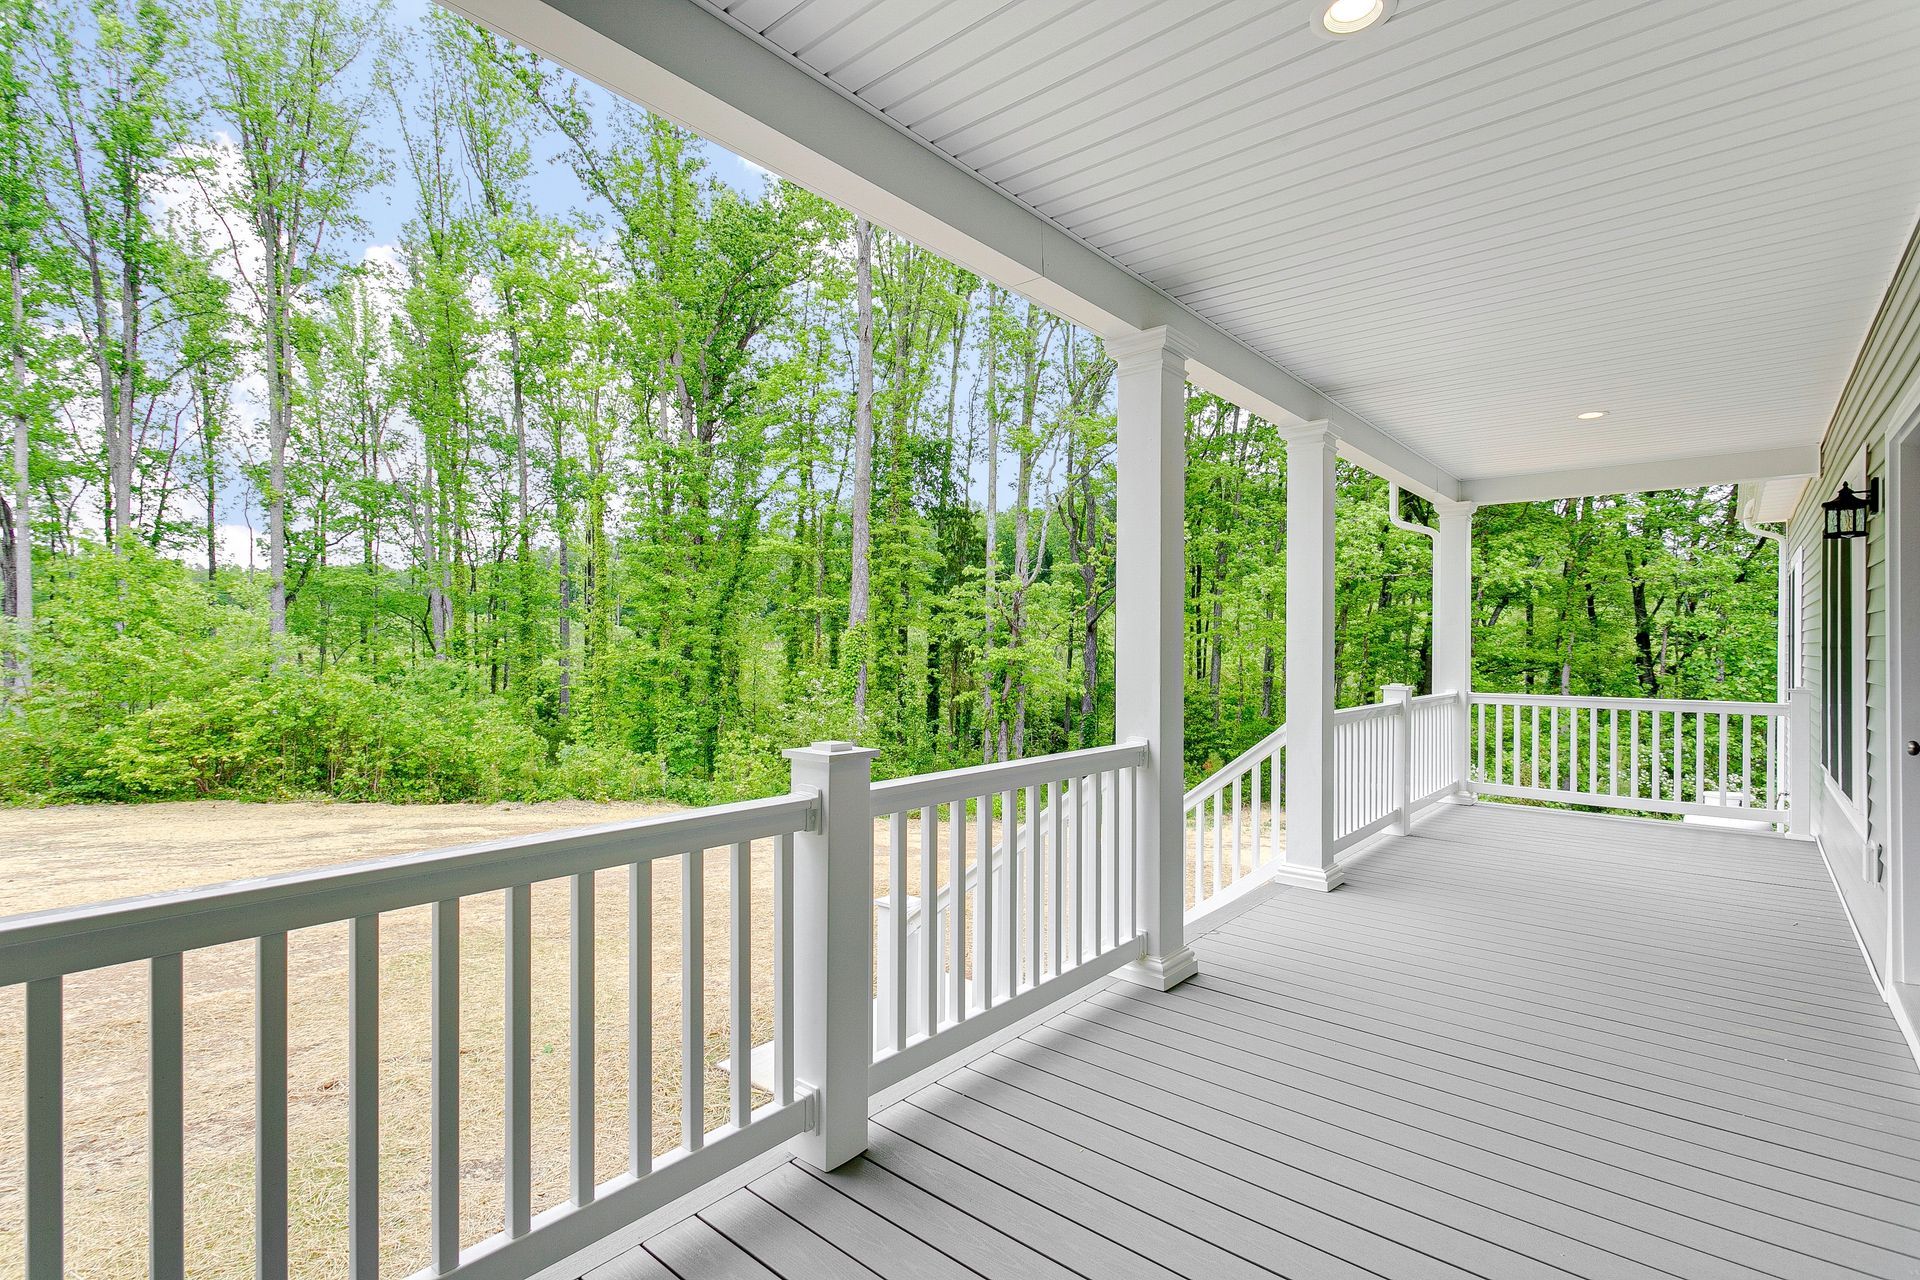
(1885, 373)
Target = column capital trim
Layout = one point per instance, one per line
(1136, 349)
(1308, 433)
(1443, 507)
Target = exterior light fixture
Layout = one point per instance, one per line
(1591, 415)
(1847, 511)
(1338, 19)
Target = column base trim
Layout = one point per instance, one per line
(1163, 973)
(1319, 879)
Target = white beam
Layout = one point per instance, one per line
(1643, 477)
(722, 81)
(1308, 860)
(1150, 473)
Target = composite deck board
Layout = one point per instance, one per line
(1549, 1025)
(1742, 1206)
(1733, 1117)
(1737, 1104)
(1517, 1043)
(1364, 1082)
(1438, 975)
(778, 1242)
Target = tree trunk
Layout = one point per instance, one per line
(860, 589)
(21, 580)
(279, 427)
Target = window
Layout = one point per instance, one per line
(1843, 654)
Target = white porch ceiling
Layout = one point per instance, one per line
(1465, 226)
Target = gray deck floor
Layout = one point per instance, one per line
(1517, 1043)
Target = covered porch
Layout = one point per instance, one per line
(1340, 1009)
(1515, 1043)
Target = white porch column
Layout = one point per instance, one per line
(1308, 859)
(1453, 622)
(1149, 631)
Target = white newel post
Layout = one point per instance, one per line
(1149, 632)
(832, 955)
(1800, 762)
(1308, 859)
(1400, 698)
(1453, 627)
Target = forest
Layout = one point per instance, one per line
(394, 416)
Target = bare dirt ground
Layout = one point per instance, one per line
(69, 856)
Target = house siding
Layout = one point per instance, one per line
(1865, 418)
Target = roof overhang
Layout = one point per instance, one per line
(1774, 467)
(696, 68)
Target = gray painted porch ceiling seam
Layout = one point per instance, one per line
(1467, 225)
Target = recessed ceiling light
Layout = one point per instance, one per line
(1339, 18)
(1591, 414)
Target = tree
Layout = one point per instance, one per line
(114, 110)
(302, 158)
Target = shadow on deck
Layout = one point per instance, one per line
(1517, 1043)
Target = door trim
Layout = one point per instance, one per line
(1902, 837)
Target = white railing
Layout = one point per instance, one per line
(1390, 760)
(1006, 886)
(1437, 735)
(1235, 823)
(1646, 755)
(1057, 838)
(1366, 797)
(40, 950)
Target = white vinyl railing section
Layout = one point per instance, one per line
(1365, 791)
(1006, 886)
(1057, 835)
(1436, 746)
(40, 950)
(1391, 759)
(1047, 895)
(1235, 823)
(1646, 755)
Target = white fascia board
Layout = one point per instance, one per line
(1643, 477)
(697, 68)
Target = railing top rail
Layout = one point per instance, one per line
(898, 794)
(1709, 705)
(1431, 699)
(47, 944)
(1371, 711)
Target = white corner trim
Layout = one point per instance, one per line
(1902, 998)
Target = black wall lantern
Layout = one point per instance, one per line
(1847, 511)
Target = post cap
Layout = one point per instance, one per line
(830, 747)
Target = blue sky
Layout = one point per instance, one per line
(555, 188)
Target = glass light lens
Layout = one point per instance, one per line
(1343, 17)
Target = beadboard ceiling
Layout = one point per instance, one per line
(1466, 225)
